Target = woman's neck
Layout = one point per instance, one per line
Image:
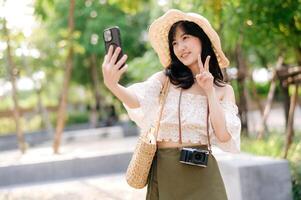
(195, 69)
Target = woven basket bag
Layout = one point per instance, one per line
(140, 164)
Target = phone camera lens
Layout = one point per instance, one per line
(108, 36)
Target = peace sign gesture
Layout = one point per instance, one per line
(204, 78)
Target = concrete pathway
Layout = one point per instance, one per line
(111, 187)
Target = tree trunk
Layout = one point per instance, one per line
(241, 79)
(255, 95)
(290, 121)
(13, 72)
(96, 89)
(64, 95)
(267, 108)
(269, 102)
(44, 113)
(286, 102)
(298, 55)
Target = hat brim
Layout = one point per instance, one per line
(159, 29)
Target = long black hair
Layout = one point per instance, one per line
(179, 74)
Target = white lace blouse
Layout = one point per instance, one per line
(193, 115)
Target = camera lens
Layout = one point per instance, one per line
(198, 156)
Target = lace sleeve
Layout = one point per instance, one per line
(233, 125)
(147, 93)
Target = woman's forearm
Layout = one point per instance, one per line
(125, 95)
(217, 118)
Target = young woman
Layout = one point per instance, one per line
(190, 51)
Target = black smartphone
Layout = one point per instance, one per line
(111, 36)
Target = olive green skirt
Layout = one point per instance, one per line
(171, 180)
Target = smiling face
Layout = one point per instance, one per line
(186, 47)
(186, 42)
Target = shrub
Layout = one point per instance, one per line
(77, 118)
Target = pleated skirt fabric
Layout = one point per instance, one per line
(171, 180)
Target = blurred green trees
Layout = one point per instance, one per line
(253, 34)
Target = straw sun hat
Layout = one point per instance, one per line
(158, 35)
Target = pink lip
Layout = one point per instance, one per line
(185, 54)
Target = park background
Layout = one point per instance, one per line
(50, 67)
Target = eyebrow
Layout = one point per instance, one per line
(180, 36)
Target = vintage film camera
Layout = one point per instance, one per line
(193, 156)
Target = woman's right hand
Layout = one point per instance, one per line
(110, 69)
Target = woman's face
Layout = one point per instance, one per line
(186, 47)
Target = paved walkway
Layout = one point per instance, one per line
(107, 187)
(112, 187)
(69, 150)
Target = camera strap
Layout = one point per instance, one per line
(180, 127)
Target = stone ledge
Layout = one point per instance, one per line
(250, 177)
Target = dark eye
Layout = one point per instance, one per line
(185, 37)
(174, 43)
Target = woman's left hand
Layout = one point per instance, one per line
(205, 78)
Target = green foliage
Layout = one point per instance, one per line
(6, 103)
(33, 123)
(142, 67)
(73, 117)
(262, 89)
(27, 99)
(129, 6)
(91, 18)
(268, 28)
(273, 145)
(77, 118)
(43, 8)
(7, 125)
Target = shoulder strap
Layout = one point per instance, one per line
(162, 98)
(164, 90)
